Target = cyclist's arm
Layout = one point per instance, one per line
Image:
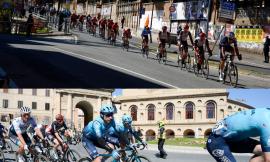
(100, 138)
(18, 132)
(38, 132)
(236, 49)
(56, 134)
(137, 137)
(207, 46)
(169, 39)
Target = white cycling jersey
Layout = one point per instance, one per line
(18, 126)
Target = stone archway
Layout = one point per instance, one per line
(169, 133)
(84, 114)
(207, 133)
(150, 135)
(189, 133)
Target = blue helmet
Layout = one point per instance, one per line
(127, 119)
(231, 35)
(106, 109)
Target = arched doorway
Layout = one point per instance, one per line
(150, 135)
(84, 114)
(189, 133)
(207, 133)
(169, 133)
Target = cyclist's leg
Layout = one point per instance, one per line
(219, 149)
(221, 64)
(91, 150)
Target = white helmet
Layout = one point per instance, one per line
(25, 110)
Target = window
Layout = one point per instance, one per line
(5, 103)
(169, 111)
(47, 93)
(47, 106)
(20, 91)
(210, 110)
(151, 112)
(134, 113)
(189, 111)
(34, 105)
(34, 92)
(20, 104)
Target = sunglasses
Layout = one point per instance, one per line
(25, 115)
(109, 115)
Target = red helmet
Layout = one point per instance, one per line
(186, 27)
(128, 29)
(59, 117)
(202, 35)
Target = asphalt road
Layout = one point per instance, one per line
(175, 156)
(93, 63)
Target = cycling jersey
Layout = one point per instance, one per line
(97, 128)
(183, 36)
(245, 124)
(18, 126)
(115, 27)
(164, 35)
(225, 42)
(126, 34)
(2, 130)
(55, 127)
(110, 24)
(145, 32)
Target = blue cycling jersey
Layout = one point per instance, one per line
(145, 32)
(224, 42)
(245, 124)
(97, 128)
(2, 129)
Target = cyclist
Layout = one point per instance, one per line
(225, 46)
(122, 132)
(200, 43)
(144, 36)
(163, 37)
(94, 24)
(18, 131)
(96, 134)
(115, 29)
(109, 25)
(2, 135)
(182, 42)
(233, 134)
(103, 27)
(126, 35)
(81, 20)
(56, 131)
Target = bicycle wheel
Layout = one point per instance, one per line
(41, 158)
(233, 75)
(205, 69)
(147, 52)
(140, 158)
(188, 63)
(9, 147)
(195, 68)
(86, 159)
(72, 155)
(165, 57)
(225, 73)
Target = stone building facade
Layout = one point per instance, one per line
(187, 112)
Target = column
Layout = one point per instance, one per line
(57, 104)
(69, 109)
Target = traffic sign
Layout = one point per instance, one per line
(172, 9)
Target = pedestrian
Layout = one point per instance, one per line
(139, 131)
(122, 21)
(29, 25)
(61, 21)
(266, 49)
(161, 139)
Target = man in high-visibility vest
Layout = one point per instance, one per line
(161, 139)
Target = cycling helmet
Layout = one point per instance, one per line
(202, 35)
(164, 27)
(161, 123)
(126, 119)
(106, 109)
(231, 35)
(25, 110)
(186, 26)
(128, 29)
(59, 117)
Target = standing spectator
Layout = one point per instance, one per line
(139, 131)
(29, 24)
(122, 21)
(266, 49)
(61, 21)
(161, 139)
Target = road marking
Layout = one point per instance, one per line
(11, 83)
(118, 67)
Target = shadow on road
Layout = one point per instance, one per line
(53, 69)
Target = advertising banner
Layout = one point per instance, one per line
(191, 10)
(249, 35)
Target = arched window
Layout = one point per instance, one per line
(151, 112)
(169, 111)
(133, 113)
(189, 110)
(210, 110)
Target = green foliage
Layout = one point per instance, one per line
(196, 142)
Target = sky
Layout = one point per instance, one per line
(258, 98)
